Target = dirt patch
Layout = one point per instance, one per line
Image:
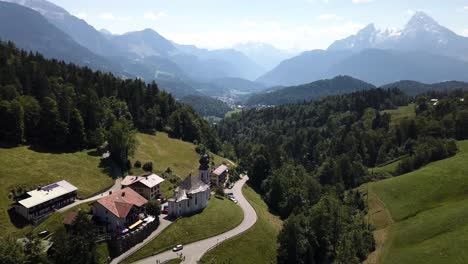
(380, 219)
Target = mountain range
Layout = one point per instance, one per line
(422, 51)
(144, 54)
(265, 55)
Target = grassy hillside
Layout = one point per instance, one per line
(28, 168)
(257, 245)
(23, 167)
(401, 113)
(429, 208)
(166, 152)
(220, 216)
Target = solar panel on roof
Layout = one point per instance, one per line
(50, 187)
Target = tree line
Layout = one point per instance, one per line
(306, 159)
(62, 106)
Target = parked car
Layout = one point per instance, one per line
(229, 194)
(177, 248)
(232, 199)
(230, 186)
(165, 209)
(43, 234)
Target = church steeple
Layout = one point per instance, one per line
(204, 168)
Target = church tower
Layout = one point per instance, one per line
(204, 168)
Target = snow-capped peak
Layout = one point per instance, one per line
(421, 21)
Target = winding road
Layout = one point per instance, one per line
(194, 251)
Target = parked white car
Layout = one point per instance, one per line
(177, 248)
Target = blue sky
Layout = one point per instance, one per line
(287, 24)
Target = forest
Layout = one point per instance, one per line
(207, 106)
(64, 107)
(306, 159)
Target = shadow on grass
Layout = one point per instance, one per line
(109, 167)
(16, 219)
(94, 153)
(42, 149)
(8, 145)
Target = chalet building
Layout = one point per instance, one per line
(120, 209)
(193, 194)
(219, 175)
(147, 186)
(43, 201)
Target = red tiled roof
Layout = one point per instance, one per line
(121, 202)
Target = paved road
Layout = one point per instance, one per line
(194, 251)
(114, 188)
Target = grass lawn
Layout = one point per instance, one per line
(256, 245)
(174, 261)
(220, 216)
(389, 168)
(24, 167)
(166, 152)
(429, 208)
(103, 252)
(401, 112)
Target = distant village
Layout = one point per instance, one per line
(121, 216)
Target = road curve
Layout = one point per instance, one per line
(194, 251)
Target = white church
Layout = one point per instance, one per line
(194, 193)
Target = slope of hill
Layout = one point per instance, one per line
(262, 237)
(33, 32)
(207, 106)
(83, 33)
(428, 208)
(304, 68)
(26, 168)
(414, 88)
(166, 152)
(144, 43)
(311, 91)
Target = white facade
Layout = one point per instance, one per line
(192, 204)
(113, 222)
(190, 197)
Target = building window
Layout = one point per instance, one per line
(196, 199)
(180, 205)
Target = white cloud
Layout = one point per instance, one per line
(154, 16)
(82, 15)
(465, 32)
(362, 1)
(329, 17)
(465, 8)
